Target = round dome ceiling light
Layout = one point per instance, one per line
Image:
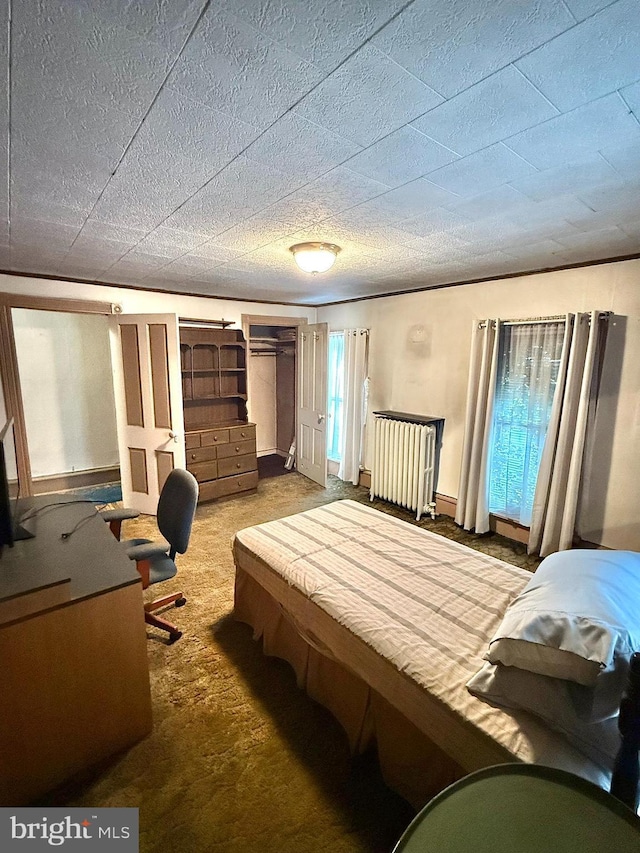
(314, 257)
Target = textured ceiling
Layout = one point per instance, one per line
(184, 145)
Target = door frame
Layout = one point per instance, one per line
(9, 374)
(248, 320)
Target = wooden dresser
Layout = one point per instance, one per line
(220, 444)
(223, 460)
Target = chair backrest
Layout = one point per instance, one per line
(176, 509)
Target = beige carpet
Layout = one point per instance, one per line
(239, 759)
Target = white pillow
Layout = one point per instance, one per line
(579, 611)
(563, 705)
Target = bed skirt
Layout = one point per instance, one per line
(411, 764)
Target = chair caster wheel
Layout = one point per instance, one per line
(175, 636)
(180, 602)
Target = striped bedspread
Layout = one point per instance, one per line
(425, 603)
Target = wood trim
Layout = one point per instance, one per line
(75, 480)
(9, 375)
(509, 528)
(446, 505)
(502, 526)
(233, 297)
(365, 479)
(49, 303)
(262, 320)
(463, 282)
(13, 397)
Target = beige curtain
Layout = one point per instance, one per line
(555, 503)
(472, 511)
(356, 351)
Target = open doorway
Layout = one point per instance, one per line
(271, 374)
(66, 383)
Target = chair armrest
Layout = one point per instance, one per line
(147, 551)
(115, 517)
(119, 514)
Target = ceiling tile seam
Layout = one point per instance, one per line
(476, 83)
(146, 114)
(609, 163)
(290, 234)
(286, 112)
(542, 94)
(496, 70)
(431, 139)
(411, 74)
(629, 108)
(566, 6)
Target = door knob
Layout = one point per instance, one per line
(320, 418)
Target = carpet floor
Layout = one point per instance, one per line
(239, 759)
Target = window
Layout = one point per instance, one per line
(528, 362)
(335, 395)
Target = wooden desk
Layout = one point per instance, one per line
(74, 675)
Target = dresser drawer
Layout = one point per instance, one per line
(214, 436)
(242, 433)
(237, 448)
(240, 483)
(203, 470)
(208, 491)
(201, 454)
(192, 439)
(236, 465)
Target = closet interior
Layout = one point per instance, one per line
(272, 379)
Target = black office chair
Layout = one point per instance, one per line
(156, 560)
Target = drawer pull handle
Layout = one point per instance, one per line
(243, 434)
(237, 464)
(193, 455)
(237, 450)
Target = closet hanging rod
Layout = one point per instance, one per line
(270, 352)
(192, 321)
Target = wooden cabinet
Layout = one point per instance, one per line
(220, 443)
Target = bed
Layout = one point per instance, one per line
(385, 624)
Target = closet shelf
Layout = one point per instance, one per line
(201, 397)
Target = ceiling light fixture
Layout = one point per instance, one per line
(314, 257)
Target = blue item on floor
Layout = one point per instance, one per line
(106, 493)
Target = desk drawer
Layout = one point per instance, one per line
(238, 448)
(192, 439)
(201, 454)
(236, 465)
(203, 470)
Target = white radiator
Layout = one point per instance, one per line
(403, 464)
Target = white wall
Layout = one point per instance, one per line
(430, 377)
(67, 390)
(262, 402)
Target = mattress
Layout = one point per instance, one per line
(410, 613)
